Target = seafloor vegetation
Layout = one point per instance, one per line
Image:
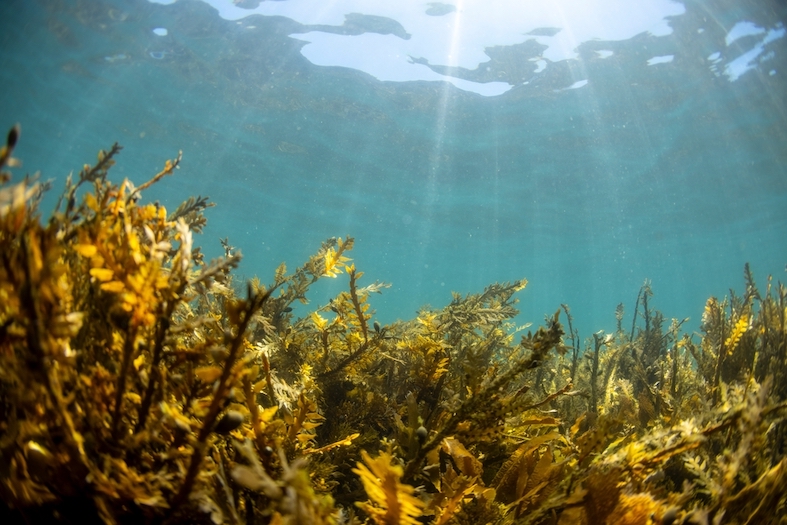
(139, 383)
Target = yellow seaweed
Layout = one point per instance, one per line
(141, 383)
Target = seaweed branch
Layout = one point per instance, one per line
(359, 311)
(487, 404)
(242, 313)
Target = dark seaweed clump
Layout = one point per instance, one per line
(140, 383)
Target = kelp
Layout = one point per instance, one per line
(141, 383)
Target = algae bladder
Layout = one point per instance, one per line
(141, 383)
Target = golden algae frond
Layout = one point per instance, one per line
(141, 383)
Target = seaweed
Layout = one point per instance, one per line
(141, 383)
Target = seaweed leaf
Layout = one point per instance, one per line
(390, 501)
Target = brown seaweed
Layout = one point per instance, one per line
(140, 383)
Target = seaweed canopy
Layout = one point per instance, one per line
(126, 359)
(675, 429)
(140, 383)
(137, 383)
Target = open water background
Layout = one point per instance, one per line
(670, 172)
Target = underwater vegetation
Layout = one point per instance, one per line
(139, 383)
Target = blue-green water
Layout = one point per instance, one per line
(673, 172)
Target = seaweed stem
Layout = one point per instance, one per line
(158, 351)
(598, 342)
(574, 336)
(128, 351)
(253, 305)
(169, 167)
(357, 303)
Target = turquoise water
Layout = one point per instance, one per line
(673, 172)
